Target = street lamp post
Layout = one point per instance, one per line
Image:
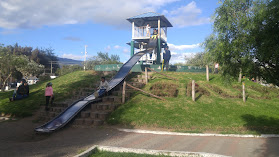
(85, 53)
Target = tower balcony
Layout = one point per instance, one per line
(141, 34)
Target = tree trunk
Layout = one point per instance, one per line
(4, 82)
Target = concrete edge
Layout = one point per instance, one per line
(197, 134)
(147, 151)
(88, 152)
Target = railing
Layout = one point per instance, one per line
(141, 33)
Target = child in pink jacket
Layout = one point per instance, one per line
(49, 95)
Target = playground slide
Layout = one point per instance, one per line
(66, 116)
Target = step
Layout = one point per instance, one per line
(51, 114)
(114, 99)
(60, 104)
(102, 107)
(88, 121)
(119, 93)
(98, 122)
(94, 115)
(94, 107)
(103, 115)
(138, 80)
(135, 84)
(143, 76)
(57, 109)
(79, 121)
(85, 114)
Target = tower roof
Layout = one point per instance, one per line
(150, 18)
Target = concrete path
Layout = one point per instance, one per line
(17, 138)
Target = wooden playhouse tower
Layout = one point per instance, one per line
(140, 36)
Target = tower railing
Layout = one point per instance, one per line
(141, 33)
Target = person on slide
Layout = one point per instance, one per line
(102, 87)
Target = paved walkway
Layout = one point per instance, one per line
(17, 138)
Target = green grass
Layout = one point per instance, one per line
(63, 88)
(214, 113)
(99, 153)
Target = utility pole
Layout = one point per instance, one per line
(85, 52)
(51, 68)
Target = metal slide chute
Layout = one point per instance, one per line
(69, 113)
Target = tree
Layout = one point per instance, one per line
(40, 56)
(6, 66)
(102, 58)
(265, 42)
(27, 67)
(233, 43)
(197, 60)
(65, 69)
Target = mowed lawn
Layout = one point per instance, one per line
(63, 88)
(220, 109)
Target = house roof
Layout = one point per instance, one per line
(150, 18)
(32, 78)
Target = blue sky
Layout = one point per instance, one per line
(66, 26)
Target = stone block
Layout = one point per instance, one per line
(98, 122)
(103, 116)
(94, 115)
(85, 114)
(79, 121)
(88, 121)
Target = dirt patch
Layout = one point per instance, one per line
(164, 89)
(199, 89)
(222, 93)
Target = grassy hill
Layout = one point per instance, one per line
(218, 108)
(63, 88)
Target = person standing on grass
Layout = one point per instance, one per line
(216, 67)
(103, 86)
(49, 95)
(166, 57)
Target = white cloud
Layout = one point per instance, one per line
(173, 47)
(180, 57)
(188, 15)
(117, 47)
(9, 31)
(108, 48)
(70, 38)
(37, 13)
(126, 50)
(72, 56)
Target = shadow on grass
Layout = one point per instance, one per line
(261, 124)
(211, 78)
(264, 125)
(197, 98)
